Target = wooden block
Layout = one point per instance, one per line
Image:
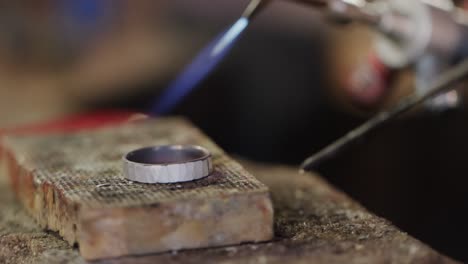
(74, 184)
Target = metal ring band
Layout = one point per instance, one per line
(167, 164)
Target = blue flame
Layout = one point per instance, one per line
(199, 68)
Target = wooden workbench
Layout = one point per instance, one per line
(313, 223)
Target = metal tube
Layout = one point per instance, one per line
(254, 7)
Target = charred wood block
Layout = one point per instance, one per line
(74, 184)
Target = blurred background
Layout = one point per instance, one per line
(276, 98)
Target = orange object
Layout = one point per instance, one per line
(86, 121)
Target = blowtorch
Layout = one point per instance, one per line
(431, 35)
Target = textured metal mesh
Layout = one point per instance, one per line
(86, 167)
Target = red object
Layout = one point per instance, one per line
(370, 81)
(87, 121)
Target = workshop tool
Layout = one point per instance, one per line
(410, 31)
(73, 183)
(206, 61)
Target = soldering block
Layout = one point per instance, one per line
(74, 184)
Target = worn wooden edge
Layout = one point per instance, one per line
(248, 220)
(43, 202)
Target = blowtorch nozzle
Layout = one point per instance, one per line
(254, 7)
(206, 61)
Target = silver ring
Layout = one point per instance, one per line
(167, 164)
